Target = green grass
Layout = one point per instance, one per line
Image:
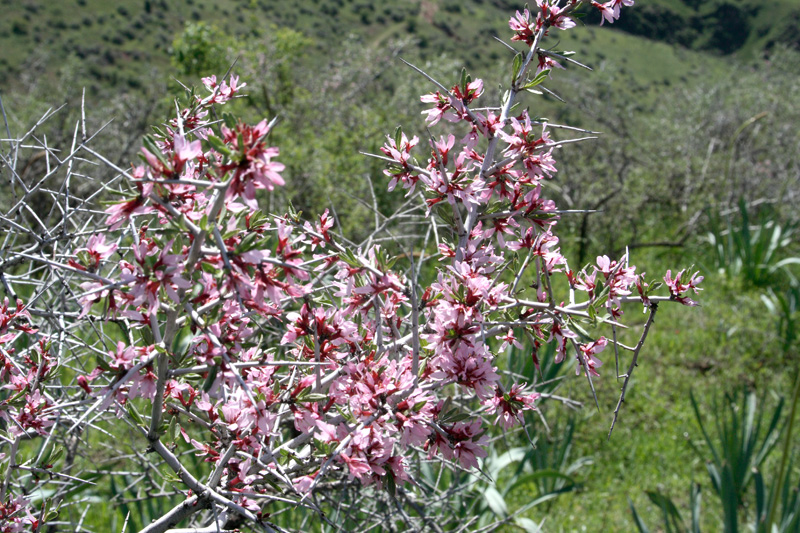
(727, 343)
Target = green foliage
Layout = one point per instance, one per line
(784, 304)
(720, 26)
(761, 254)
(671, 517)
(738, 448)
(202, 50)
(542, 473)
(780, 494)
(753, 251)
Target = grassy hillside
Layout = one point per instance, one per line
(119, 44)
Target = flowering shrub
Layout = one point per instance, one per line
(287, 361)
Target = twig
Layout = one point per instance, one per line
(636, 350)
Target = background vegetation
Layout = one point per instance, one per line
(696, 102)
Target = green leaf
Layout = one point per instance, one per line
(248, 243)
(257, 219)
(391, 486)
(219, 145)
(173, 429)
(528, 525)
(56, 455)
(84, 258)
(539, 475)
(419, 405)
(538, 79)
(458, 417)
(496, 502)
(311, 397)
(181, 342)
(695, 502)
(446, 405)
(654, 286)
(212, 375)
(229, 119)
(637, 519)
(672, 518)
(592, 313)
(103, 364)
(517, 65)
(150, 145)
(208, 268)
(398, 137)
(134, 413)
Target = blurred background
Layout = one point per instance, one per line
(697, 165)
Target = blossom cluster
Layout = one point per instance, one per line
(24, 403)
(280, 354)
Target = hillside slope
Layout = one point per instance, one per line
(121, 45)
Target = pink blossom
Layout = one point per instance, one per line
(508, 340)
(223, 92)
(303, 484)
(254, 167)
(30, 416)
(610, 10)
(123, 357)
(510, 405)
(677, 287)
(185, 150)
(588, 359)
(463, 442)
(561, 335)
(96, 250)
(16, 516)
(118, 214)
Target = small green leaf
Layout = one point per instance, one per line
(516, 68)
(182, 341)
(637, 519)
(311, 397)
(391, 486)
(229, 120)
(56, 455)
(539, 78)
(257, 219)
(134, 413)
(103, 364)
(212, 375)
(84, 258)
(219, 145)
(150, 145)
(458, 417)
(209, 269)
(173, 429)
